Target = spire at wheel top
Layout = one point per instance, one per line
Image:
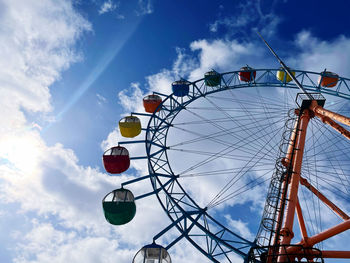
(286, 68)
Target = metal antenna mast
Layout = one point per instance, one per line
(286, 68)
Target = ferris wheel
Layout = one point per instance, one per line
(225, 143)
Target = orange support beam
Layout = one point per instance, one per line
(328, 233)
(327, 113)
(293, 163)
(334, 125)
(287, 230)
(301, 221)
(324, 199)
(325, 254)
(286, 160)
(335, 254)
(294, 183)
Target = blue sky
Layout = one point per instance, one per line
(71, 69)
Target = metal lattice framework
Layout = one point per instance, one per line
(202, 230)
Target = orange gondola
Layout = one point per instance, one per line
(328, 79)
(151, 103)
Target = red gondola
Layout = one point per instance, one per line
(247, 74)
(116, 160)
(151, 103)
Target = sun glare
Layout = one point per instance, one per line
(20, 152)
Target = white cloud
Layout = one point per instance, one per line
(230, 22)
(131, 100)
(45, 243)
(108, 6)
(46, 181)
(145, 7)
(225, 55)
(100, 99)
(33, 57)
(240, 227)
(248, 18)
(316, 54)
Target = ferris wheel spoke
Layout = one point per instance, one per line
(310, 226)
(236, 121)
(231, 182)
(307, 171)
(226, 156)
(251, 117)
(218, 120)
(260, 167)
(240, 146)
(236, 146)
(277, 104)
(319, 219)
(215, 125)
(334, 162)
(334, 139)
(249, 186)
(326, 187)
(314, 221)
(256, 111)
(250, 143)
(226, 150)
(212, 136)
(346, 171)
(328, 180)
(234, 109)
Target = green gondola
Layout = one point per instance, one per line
(119, 206)
(212, 78)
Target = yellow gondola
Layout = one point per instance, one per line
(130, 126)
(283, 76)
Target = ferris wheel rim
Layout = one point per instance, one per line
(181, 106)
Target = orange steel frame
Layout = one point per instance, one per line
(286, 217)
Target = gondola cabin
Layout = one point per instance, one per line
(152, 253)
(180, 88)
(283, 76)
(116, 160)
(328, 79)
(119, 206)
(151, 103)
(212, 78)
(247, 74)
(130, 126)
